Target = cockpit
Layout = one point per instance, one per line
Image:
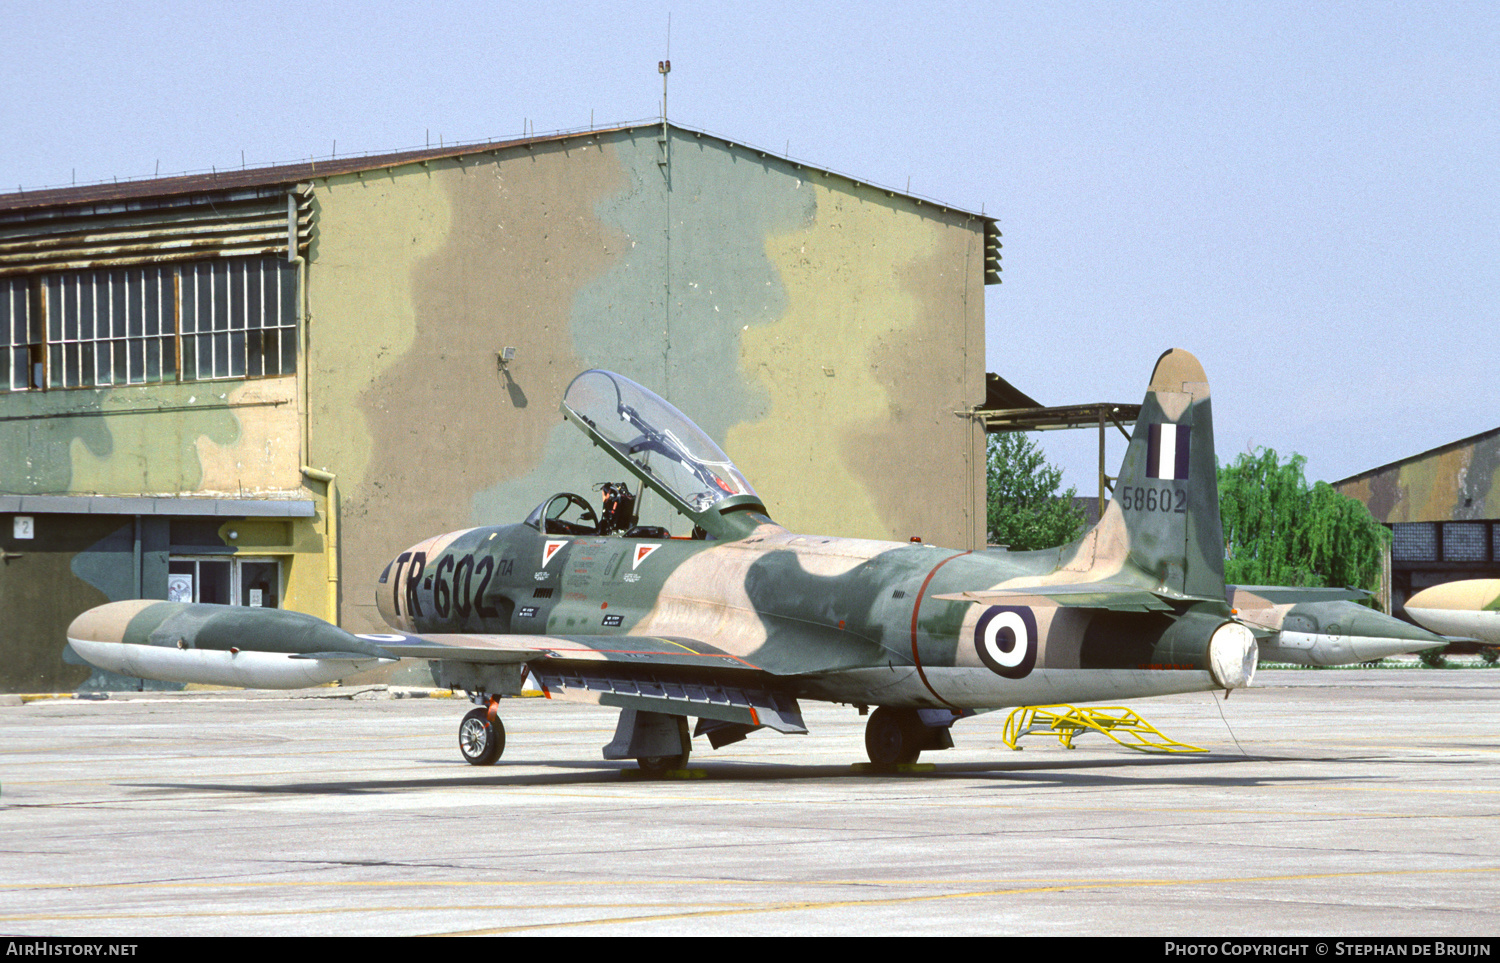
(664, 450)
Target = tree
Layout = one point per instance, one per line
(1280, 531)
(1025, 510)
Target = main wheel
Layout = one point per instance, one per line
(480, 740)
(656, 765)
(893, 736)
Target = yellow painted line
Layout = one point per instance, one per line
(1480, 792)
(976, 894)
(678, 644)
(729, 909)
(404, 908)
(1040, 885)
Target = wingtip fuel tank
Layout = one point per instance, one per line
(1467, 609)
(219, 644)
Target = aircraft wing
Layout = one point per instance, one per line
(283, 649)
(635, 650)
(646, 673)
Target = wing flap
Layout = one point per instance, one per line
(640, 650)
(747, 705)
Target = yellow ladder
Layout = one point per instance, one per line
(1119, 723)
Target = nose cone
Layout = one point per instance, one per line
(108, 623)
(1374, 635)
(1470, 609)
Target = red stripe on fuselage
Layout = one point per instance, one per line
(915, 610)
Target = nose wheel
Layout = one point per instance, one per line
(480, 739)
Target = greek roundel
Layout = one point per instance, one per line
(1005, 640)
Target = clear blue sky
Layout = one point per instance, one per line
(1304, 195)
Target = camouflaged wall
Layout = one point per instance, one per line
(824, 332)
(224, 439)
(1457, 482)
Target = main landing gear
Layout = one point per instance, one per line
(656, 741)
(895, 737)
(480, 738)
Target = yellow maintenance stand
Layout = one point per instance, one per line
(1119, 723)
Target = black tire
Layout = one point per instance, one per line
(480, 740)
(656, 765)
(893, 736)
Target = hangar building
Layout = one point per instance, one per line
(258, 386)
(1443, 509)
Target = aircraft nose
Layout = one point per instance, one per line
(107, 623)
(1373, 635)
(1368, 622)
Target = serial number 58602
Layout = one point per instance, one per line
(1148, 498)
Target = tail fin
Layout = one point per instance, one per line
(1164, 519)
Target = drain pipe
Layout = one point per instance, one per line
(294, 257)
(331, 531)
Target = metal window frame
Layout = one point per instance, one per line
(75, 313)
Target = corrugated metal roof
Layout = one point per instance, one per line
(285, 175)
(235, 212)
(1420, 456)
(242, 222)
(279, 175)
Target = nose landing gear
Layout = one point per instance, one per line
(480, 738)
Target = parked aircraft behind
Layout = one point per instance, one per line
(1468, 609)
(1323, 626)
(737, 624)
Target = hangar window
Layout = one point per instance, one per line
(25, 344)
(1464, 542)
(1414, 542)
(195, 321)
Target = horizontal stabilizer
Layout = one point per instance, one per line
(1086, 595)
(1291, 595)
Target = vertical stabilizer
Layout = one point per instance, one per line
(1163, 521)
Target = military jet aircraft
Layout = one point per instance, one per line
(1323, 626)
(737, 624)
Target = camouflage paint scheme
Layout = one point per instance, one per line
(1465, 609)
(1455, 482)
(1323, 626)
(746, 288)
(734, 628)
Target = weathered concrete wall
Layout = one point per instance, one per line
(824, 332)
(1456, 482)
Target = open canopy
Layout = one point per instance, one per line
(659, 444)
